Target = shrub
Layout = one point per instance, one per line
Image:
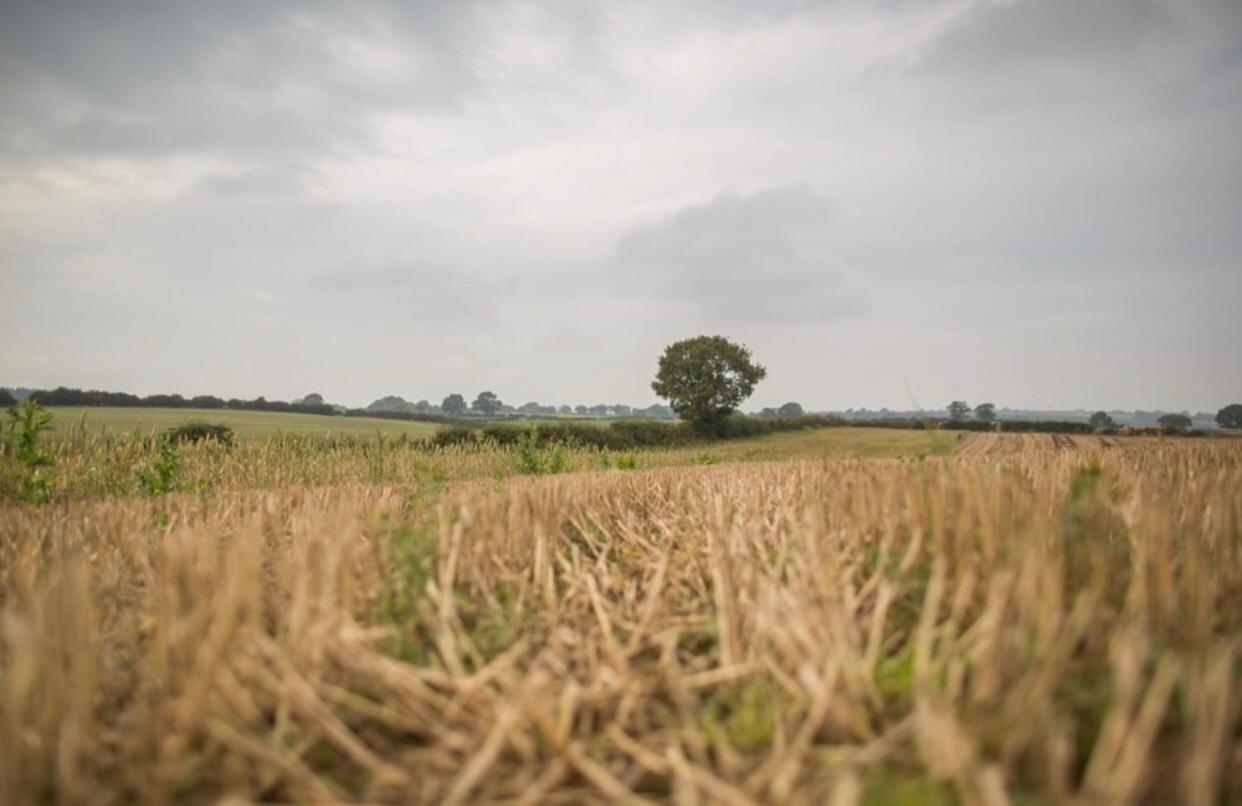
(27, 420)
(968, 425)
(455, 435)
(200, 432)
(1045, 427)
(161, 478)
(534, 459)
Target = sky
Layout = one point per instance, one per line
(1036, 203)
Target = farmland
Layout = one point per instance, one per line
(844, 615)
(246, 424)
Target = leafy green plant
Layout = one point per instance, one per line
(534, 460)
(626, 463)
(161, 478)
(27, 420)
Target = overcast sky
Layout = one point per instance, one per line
(1036, 203)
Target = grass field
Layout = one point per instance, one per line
(847, 616)
(247, 424)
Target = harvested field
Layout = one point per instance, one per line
(1016, 623)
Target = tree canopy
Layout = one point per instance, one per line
(453, 404)
(985, 412)
(958, 410)
(1175, 421)
(486, 403)
(1230, 416)
(705, 378)
(1101, 419)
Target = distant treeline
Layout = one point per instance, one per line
(64, 396)
(1137, 417)
(1019, 426)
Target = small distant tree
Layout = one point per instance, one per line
(985, 412)
(705, 378)
(453, 404)
(1230, 416)
(959, 410)
(486, 404)
(1175, 422)
(791, 409)
(581, 409)
(1101, 419)
(313, 399)
(7, 399)
(565, 409)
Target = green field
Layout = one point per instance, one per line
(247, 424)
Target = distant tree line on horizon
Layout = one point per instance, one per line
(960, 412)
(488, 404)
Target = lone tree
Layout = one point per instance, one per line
(959, 410)
(486, 403)
(705, 378)
(1101, 419)
(985, 412)
(453, 404)
(1230, 416)
(791, 409)
(1175, 422)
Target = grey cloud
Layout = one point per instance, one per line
(401, 290)
(767, 256)
(279, 181)
(258, 78)
(1077, 49)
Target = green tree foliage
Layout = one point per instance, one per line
(958, 410)
(1175, 422)
(705, 378)
(1230, 416)
(1101, 419)
(6, 399)
(453, 404)
(486, 404)
(985, 412)
(791, 409)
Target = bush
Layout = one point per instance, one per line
(455, 435)
(200, 432)
(162, 476)
(535, 459)
(969, 425)
(27, 420)
(626, 435)
(1045, 427)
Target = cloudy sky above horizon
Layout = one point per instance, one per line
(1033, 202)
